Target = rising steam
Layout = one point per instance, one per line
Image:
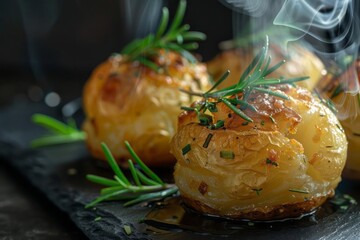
(329, 28)
(141, 16)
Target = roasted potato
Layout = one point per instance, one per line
(348, 105)
(285, 163)
(300, 62)
(127, 101)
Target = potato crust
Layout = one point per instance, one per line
(128, 101)
(281, 168)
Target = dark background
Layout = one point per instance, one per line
(47, 43)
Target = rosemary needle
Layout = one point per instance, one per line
(61, 132)
(177, 38)
(145, 184)
(254, 79)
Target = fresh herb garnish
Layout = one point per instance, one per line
(257, 190)
(217, 125)
(271, 162)
(253, 79)
(61, 132)
(177, 38)
(207, 140)
(127, 230)
(299, 191)
(227, 154)
(272, 119)
(186, 149)
(148, 186)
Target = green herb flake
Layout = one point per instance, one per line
(186, 149)
(339, 127)
(272, 119)
(262, 122)
(189, 109)
(271, 162)
(217, 125)
(97, 219)
(257, 190)
(299, 191)
(207, 140)
(245, 123)
(227, 154)
(127, 229)
(205, 120)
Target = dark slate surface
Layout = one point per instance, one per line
(59, 172)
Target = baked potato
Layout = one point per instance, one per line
(285, 163)
(300, 62)
(125, 100)
(348, 106)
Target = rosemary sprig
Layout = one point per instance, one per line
(253, 79)
(177, 38)
(146, 185)
(61, 132)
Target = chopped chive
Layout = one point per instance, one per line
(186, 149)
(189, 109)
(97, 219)
(127, 229)
(227, 154)
(245, 123)
(272, 119)
(269, 161)
(262, 122)
(205, 119)
(339, 127)
(217, 125)
(299, 191)
(207, 141)
(257, 190)
(211, 106)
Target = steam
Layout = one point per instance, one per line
(141, 16)
(329, 28)
(255, 8)
(332, 24)
(38, 20)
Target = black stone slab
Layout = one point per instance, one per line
(59, 172)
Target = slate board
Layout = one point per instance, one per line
(59, 172)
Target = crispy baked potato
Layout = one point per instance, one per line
(128, 101)
(285, 163)
(348, 105)
(300, 62)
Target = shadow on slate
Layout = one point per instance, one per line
(59, 172)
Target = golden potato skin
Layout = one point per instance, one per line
(127, 101)
(348, 105)
(299, 62)
(304, 149)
